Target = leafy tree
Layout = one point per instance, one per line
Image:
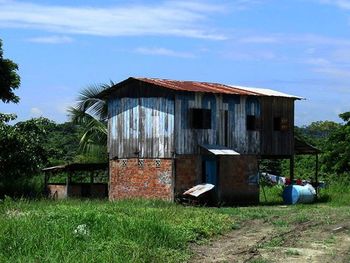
(91, 114)
(317, 132)
(22, 153)
(9, 79)
(62, 142)
(337, 148)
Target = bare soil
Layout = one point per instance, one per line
(261, 241)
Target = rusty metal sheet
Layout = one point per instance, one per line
(199, 189)
(196, 86)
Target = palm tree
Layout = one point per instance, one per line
(90, 113)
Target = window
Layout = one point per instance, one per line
(226, 128)
(252, 123)
(277, 123)
(201, 118)
(280, 124)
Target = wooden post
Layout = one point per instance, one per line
(91, 182)
(291, 168)
(46, 179)
(68, 182)
(91, 178)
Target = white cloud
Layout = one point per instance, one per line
(334, 71)
(35, 112)
(256, 55)
(185, 19)
(260, 39)
(306, 39)
(328, 66)
(159, 51)
(51, 39)
(61, 105)
(343, 4)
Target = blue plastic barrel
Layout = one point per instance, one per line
(297, 194)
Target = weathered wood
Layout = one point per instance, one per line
(277, 142)
(291, 168)
(227, 128)
(142, 127)
(142, 120)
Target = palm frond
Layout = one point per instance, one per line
(91, 114)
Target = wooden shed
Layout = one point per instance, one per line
(165, 136)
(83, 180)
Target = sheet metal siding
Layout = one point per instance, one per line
(277, 142)
(141, 127)
(239, 139)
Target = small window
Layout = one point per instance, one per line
(277, 124)
(280, 124)
(201, 118)
(252, 123)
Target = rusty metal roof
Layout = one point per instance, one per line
(196, 86)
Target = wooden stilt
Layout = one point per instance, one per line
(291, 168)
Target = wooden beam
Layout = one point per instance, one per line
(291, 168)
(46, 179)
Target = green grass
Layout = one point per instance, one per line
(143, 231)
(127, 231)
(292, 252)
(337, 193)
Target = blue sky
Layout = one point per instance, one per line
(300, 47)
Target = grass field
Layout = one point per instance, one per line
(102, 231)
(149, 231)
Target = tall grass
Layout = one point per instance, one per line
(101, 231)
(337, 192)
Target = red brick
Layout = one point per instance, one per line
(148, 181)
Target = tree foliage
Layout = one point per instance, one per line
(22, 153)
(337, 147)
(62, 142)
(9, 79)
(90, 114)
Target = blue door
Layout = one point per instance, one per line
(210, 172)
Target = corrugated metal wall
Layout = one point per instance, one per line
(141, 127)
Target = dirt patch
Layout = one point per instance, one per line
(237, 246)
(258, 240)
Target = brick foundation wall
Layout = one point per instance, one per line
(152, 179)
(188, 172)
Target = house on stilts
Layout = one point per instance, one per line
(165, 136)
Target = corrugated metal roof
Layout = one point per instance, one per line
(268, 92)
(196, 86)
(219, 150)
